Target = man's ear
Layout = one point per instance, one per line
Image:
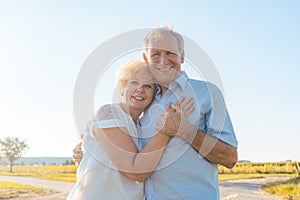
(145, 57)
(182, 57)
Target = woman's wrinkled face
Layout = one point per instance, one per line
(139, 91)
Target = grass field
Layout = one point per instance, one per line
(262, 168)
(59, 173)
(288, 189)
(52, 172)
(11, 190)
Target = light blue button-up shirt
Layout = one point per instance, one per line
(183, 173)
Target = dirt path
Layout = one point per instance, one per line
(248, 189)
(237, 189)
(62, 188)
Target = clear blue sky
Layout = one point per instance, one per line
(254, 44)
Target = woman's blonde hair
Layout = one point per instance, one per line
(129, 71)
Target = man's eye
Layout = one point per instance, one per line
(170, 53)
(154, 54)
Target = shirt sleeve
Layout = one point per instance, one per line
(107, 116)
(218, 121)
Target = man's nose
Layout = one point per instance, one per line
(164, 60)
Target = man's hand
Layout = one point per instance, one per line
(77, 154)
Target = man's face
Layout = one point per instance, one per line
(164, 59)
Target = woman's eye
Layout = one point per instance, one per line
(148, 86)
(133, 82)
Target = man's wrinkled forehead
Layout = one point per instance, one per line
(166, 43)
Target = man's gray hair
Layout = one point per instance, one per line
(159, 33)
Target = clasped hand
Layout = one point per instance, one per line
(174, 120)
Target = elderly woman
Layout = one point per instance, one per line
(114, 165)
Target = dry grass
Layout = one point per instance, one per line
(12, 190)
(51, 172)
(262, 168)
(227, 177)
(289, 189)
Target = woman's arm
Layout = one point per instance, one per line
(121, 149)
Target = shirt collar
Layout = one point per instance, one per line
(180, 82)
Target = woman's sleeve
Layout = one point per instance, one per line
(108, 116)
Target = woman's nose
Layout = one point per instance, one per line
(140, 89)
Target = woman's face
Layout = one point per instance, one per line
(139, 91)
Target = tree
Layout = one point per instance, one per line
(11, 148)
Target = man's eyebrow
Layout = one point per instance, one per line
(152, 52)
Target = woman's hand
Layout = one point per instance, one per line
(174, 120)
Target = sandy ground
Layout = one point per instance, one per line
(237, 189)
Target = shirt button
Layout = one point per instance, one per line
(151, 196)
